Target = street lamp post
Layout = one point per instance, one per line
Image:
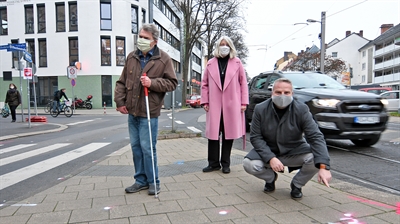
(323, 23)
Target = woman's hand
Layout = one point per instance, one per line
(243, 108)
(206, 108)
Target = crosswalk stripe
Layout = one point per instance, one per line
(16, 176)
(16, 147)
(179, 122)
(195, 130)
(79, 122)
(25, 155)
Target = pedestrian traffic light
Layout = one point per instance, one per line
(78, 65)
(351, 72)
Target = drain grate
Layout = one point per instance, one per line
(178, 168)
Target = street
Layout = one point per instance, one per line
(32, 164)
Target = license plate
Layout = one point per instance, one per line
(366, 120)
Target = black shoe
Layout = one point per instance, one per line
(296, 192)
(270, 187)
(136, 188)
(12, 121)
(210, 169)
(226, 170)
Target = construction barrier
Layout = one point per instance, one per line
(37, 119)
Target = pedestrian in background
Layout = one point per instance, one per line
(284, 133)
(224, 96)
(130, 99)
(13, 99)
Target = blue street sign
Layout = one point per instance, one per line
(16, 47)
(4, 47)
(27, 56)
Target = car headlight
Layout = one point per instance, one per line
(384, 102)
(331, 103)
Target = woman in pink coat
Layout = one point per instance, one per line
(224, 96)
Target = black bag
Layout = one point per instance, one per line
(57, 94)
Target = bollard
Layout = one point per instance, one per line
(105, 108)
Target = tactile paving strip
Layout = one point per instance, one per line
(178, 168)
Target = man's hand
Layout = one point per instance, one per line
(122, 110)
(324, 176)
(146, 81)
(276, 165)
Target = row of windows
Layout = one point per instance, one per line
(196, 59)
(168, 37)
(164, 8)
(135, 18)
(106, 50)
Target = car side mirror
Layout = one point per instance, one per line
(269, 88)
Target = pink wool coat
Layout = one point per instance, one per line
(229, 100)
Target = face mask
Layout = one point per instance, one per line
(224, 50)
(11, 87)
(282, 101)
(144, 45)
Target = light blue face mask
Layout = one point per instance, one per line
(282, 101)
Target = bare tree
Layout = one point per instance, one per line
(310, 62)
(200, 19)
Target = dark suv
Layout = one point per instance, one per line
(340, 113)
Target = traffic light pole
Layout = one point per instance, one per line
(322, 42)
(20, 84)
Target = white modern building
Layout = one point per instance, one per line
(98, 34)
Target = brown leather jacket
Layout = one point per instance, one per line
(129, 91)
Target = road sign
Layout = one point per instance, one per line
(17, 47)
(71, 72)
(73, 82)
(27, 56)
(27, 73)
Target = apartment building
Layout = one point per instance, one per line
(95, 34)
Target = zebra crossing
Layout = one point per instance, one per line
(18, 175)
(193, 129)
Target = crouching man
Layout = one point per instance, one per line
(276, 134)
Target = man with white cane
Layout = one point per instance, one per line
(130, 98)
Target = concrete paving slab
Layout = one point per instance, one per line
(50, 217)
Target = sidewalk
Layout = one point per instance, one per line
(188, 195)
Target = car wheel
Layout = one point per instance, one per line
(366, 142)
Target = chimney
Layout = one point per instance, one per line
(348, 33)
(385, 27)
(361, 33)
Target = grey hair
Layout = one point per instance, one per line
(282, 80)
(151, 28)
(232, 53)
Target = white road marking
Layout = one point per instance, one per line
(195, 130)
(16, 176)
(79, 122)
(179, 122)
(32, 153)
(15, 147)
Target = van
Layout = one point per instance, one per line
(376, 90)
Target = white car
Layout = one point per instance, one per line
(392, 98)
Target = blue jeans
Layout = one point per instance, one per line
(56, 104)
(141, 150)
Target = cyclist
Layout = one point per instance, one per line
(57, 97)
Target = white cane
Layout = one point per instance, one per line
(146, 93)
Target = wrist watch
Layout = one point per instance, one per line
(323, 166)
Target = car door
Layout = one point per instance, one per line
(393, 100)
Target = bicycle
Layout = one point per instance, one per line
(64, 107)
(48, 106)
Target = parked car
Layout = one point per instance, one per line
(340, 113)
(194, 101)
(376, 90)
(392, 98)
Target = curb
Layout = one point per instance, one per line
(60, 128)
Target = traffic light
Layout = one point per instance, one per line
(351, 72)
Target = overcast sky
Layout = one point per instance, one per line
(271, 29)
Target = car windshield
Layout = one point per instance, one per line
(313, 80)
(193, 98)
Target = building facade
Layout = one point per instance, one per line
(95, 34)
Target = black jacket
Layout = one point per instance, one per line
(273, 137)
(60, 94)
(13, 98)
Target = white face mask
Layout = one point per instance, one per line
(224, 50)
(12, 87)
(282, 101)
(144, 45)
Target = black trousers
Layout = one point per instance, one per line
(214, 149)
(13, 115)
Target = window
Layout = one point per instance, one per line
(60, 17)
(363, 78)
(7, 76)
(4, 23)
(73, 50)
(30, 47)
(14, 54)
(134, 19)
(105, 15)
(334, 54)
(363, 54)
(177, 65)
(143, 16)
(120, 51)
(29, 19)
(73, 16)
(105, 51)
(41, 18)
(42, 53)
(363, 66)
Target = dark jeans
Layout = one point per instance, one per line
(13, 115)
(214, 148)
(56, 104)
